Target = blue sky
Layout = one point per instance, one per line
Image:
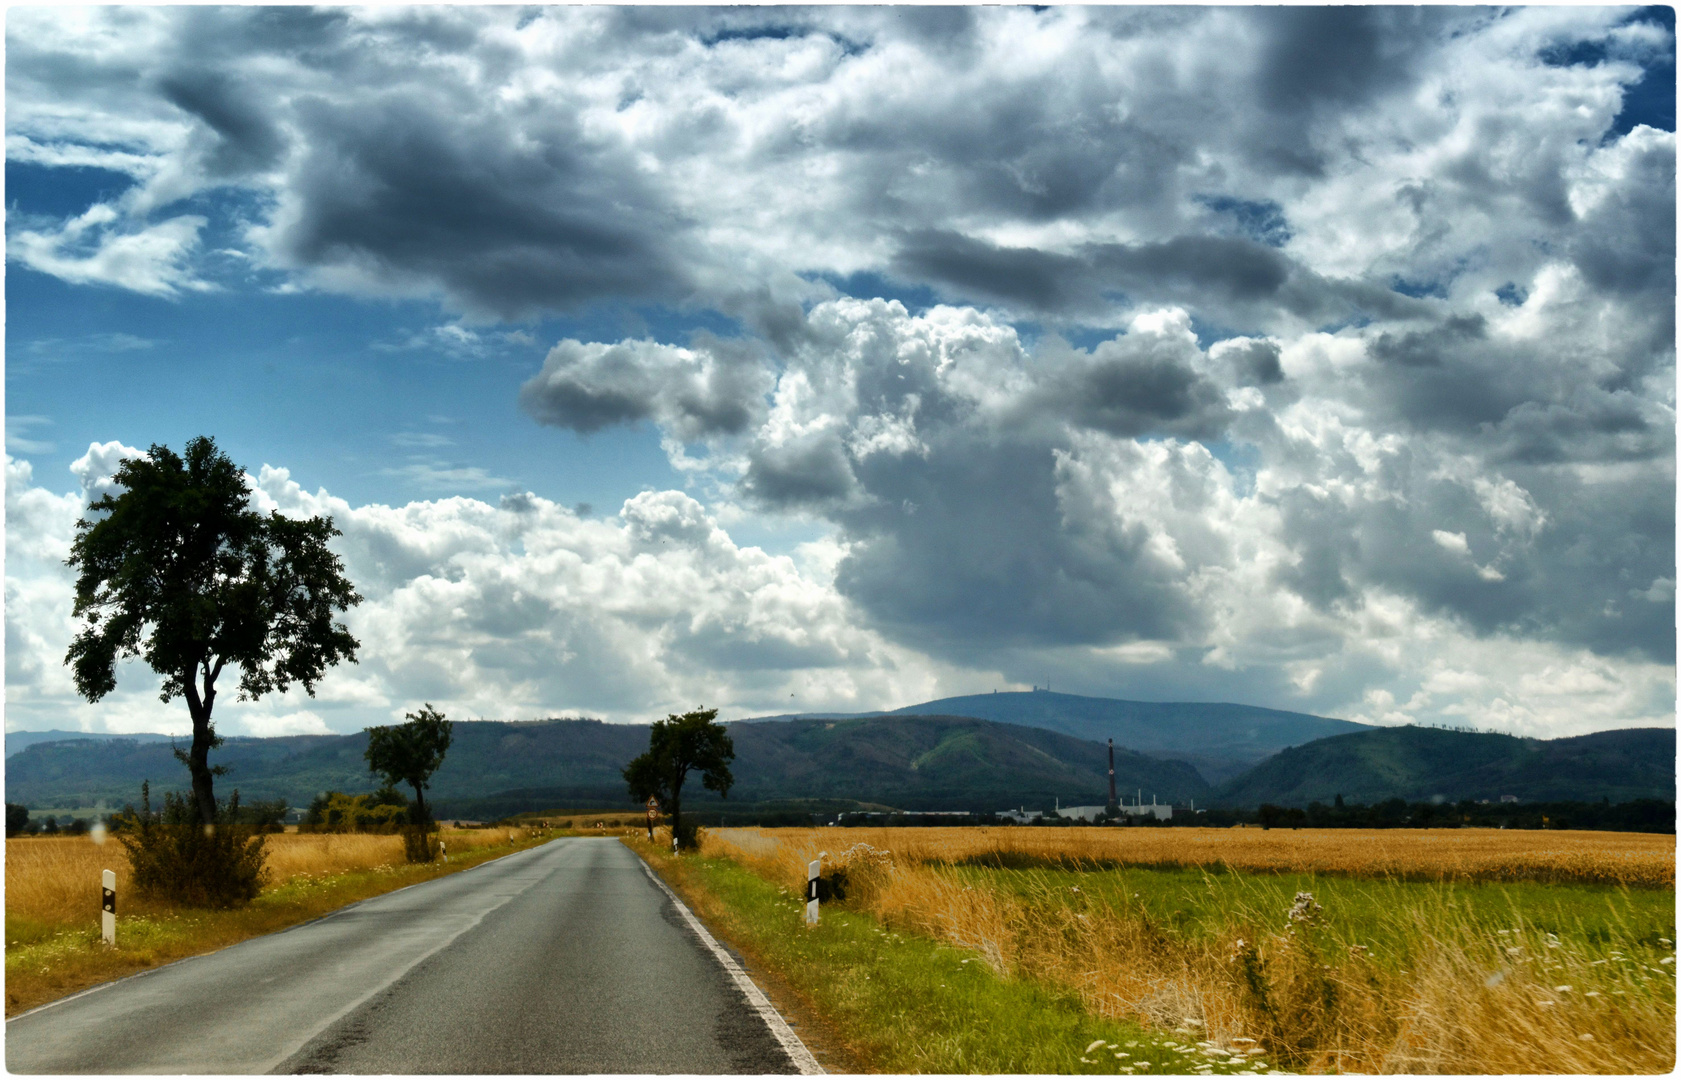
(1315, 358)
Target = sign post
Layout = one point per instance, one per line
(811, 872)
(653, 814)
(108, 906)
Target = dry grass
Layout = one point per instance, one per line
(53, 891)
(54, 879)
(1454, 991)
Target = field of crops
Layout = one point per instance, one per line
(1642, 860)
(1395, 951)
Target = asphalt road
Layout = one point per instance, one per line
(567, 958)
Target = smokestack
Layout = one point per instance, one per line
(1112, 803)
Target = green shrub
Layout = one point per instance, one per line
(175, 858)
(383, 811)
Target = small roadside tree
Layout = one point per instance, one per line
(409, 753)
(182, 572)
(676, 745)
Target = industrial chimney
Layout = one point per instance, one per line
(1112, 803)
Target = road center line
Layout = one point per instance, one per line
(290, 1052)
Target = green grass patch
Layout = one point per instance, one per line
(903, 1003)
(1384, 914)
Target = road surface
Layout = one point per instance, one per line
(567, 958)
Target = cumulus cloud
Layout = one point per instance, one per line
(716, 389)
(1069, 162)
(1299, 355)
(514, 609)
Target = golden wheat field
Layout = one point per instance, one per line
(1462, 952)
(1614, 858)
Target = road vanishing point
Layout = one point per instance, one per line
(566, 958)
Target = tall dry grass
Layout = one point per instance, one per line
(1469, 999)
(50, 879)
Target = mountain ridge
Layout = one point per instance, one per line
(1221, 739)
(1424, 764)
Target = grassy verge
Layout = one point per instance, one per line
(896, 1002)
(48, 958)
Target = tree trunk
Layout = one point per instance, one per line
(420, 807)
(676, 808)
(198, 758)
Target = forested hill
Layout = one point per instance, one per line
(1419, 764)
(922, 762)
(1219, 738)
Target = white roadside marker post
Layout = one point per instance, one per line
(108, 906)
(811, 872)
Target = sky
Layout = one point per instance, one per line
(799, 359)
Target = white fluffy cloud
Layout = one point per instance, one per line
(520, 609)
(1316, 357)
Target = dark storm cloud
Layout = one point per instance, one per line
(1129, 392)
(1534, 579)
(1255, 363)
(1215, 270)
(243, 138)
(967, 550)
(1024, 276)
(1337, 56)
(808, 471)
(1511, 402)
(716, 389)
(506, 226)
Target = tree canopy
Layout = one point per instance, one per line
(183, 573)
(409, 753)
(676, 745)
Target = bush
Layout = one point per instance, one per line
(176, 858)
(17, 819)
(384, 811)
(420, 845)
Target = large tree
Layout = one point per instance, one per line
(179, 570)
(410, 753)
(676, 745)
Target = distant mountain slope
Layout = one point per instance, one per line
(943, 763)
(925, 763)
(17, 741)
(1416, 763)
(1218, 738)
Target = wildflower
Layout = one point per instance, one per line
(1095, 1044)
(1565, 989)
(1667, 960)
(1585, 1037)
(1305, 909)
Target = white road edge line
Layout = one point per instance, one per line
(791, 1044)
